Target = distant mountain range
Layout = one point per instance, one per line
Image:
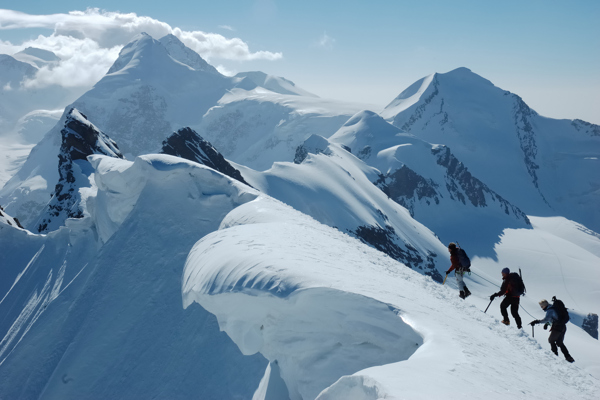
(174, 222)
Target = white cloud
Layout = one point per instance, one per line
(225, 71)
(326, 41)
(88, 42)
(229, 28)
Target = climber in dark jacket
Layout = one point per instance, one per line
(557, 331)
(458, 271)
(511, 299)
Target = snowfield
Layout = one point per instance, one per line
(355, 324)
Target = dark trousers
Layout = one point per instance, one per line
(513, 302)
(556, 338)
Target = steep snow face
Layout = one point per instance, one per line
(185, 55)
(277, 84)
(80, 139)
(37, 57)
(550, 164)
(186, 143)
(431, 183)
(14, 71)
(110, 322)
(336, 189)
(257, 128)
(337, 319)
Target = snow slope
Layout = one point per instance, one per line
(427, 179)
(334, 187)
(94, 310)
(546, 167)
(344, 321)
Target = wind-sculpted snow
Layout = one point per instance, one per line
(93, 310)
(335, 188)
(337, 319)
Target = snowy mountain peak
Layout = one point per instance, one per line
(142, 47)
(37, 57)
(13, 71)
(253, 79)
(80, 139)
(185, 55)
(186, 143)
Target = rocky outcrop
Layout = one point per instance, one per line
(80, 138)
(406, 188)
(186, 143)
(315, 144)
(590, 325)
(387, 241)
(463, 186)
(7, 219)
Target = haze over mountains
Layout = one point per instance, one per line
(310, 231)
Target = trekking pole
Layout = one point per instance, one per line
(532, 332)
(488, 306)
(445, 280)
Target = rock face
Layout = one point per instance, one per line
(590, 325)
(80, 138)
(386, 240)
(186, 143)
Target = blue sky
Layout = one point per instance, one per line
(548, 52)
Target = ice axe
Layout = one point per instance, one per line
(488, 305)
(445, 280)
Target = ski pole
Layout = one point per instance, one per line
(445, 280)
(532, 333)
(488, 306)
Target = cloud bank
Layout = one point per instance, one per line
(88, 42)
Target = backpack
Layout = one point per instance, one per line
(561, 311)
(516, 284)
(463, 258)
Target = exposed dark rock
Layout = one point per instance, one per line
(420, 110)
(526, 136)
(591, 129)
(364, 153)
(460, 183)
(315, 144)
(186, 143)
(301, 154)
(590, 325)
(80, 138)
(405, 187)
(387, 241)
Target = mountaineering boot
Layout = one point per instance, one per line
(505, 322)
(569, 358)
(461, 294)
(467, 292)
